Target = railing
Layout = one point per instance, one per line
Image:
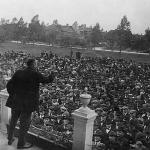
(5, 112)
(83, 125)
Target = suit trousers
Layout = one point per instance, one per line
(25, 120)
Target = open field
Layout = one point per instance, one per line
(135, 57)
(37, 49)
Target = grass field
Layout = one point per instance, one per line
(36, 50)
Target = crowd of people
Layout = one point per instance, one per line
(120, 93)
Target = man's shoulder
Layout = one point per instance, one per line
(32, 72)
(29, 70)
(18, 72)
(24, 72)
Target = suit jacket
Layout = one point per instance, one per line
(23, 89)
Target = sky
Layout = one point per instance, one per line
(107, 13)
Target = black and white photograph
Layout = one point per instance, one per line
(75, 74)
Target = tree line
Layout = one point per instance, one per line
(120, 38)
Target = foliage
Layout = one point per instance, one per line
(20, 29)
(51, 37)
(124, 25)
(124, 33)
(138, 42)
(2, 34)
(36, 31)
(147, 39)
(111, 39)
(119, 38)
(141, 42)
(96, 35)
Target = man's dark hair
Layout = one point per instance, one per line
(30, 62)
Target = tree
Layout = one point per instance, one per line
(14, 20)
(51, 37)
(96, 35)
(35, 29)
(111, 39)
(20, 30)
(8, 28)
(55, 22)
(124, 25)
(124, 33)
(42, 36)
(147, 34)
(2, 34)
(147, 40)
(139, 42)
(4, 21)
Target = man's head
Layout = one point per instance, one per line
(112, 136)
(125, 109)
(32, 63)
(132, 113)
(120, 132)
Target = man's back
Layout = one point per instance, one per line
(26, 81)
(26, 89)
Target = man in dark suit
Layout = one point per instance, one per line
(23, 89)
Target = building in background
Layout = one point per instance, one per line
(66, 34)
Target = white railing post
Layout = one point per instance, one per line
(5, 112)
(83, 125)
